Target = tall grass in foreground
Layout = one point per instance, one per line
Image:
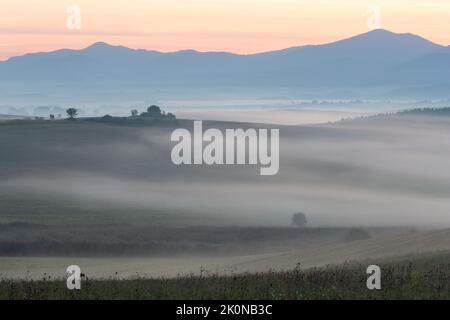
(419, 278)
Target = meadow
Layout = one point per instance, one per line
(411, 277)
(104, 194)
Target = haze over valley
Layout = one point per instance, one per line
(87, 175)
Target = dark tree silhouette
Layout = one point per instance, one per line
(72, 113)
(171, 116)
(299, 220)
(154, 111)
(134, 113)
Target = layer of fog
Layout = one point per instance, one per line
(282, 111)
(281, 117)
(379, 172)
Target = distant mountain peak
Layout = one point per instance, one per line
(105, 48)
(376, 58)
(99, 44)
(380, 31)
(387, 35)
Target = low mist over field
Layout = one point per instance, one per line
(154, 150)
(373, 172)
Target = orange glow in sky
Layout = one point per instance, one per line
(241, 26)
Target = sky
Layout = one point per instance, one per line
(240, 26)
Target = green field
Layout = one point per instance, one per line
(424, 277)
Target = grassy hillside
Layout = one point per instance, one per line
(221, 251)
(74, 150)
(413, 277)
(96, 187)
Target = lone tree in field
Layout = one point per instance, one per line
(72, 113)
(299, 220)
(134, 113)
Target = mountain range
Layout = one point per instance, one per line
(379, 63)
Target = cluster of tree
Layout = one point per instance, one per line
(428, 111)
(444, 111)
(152, 112)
